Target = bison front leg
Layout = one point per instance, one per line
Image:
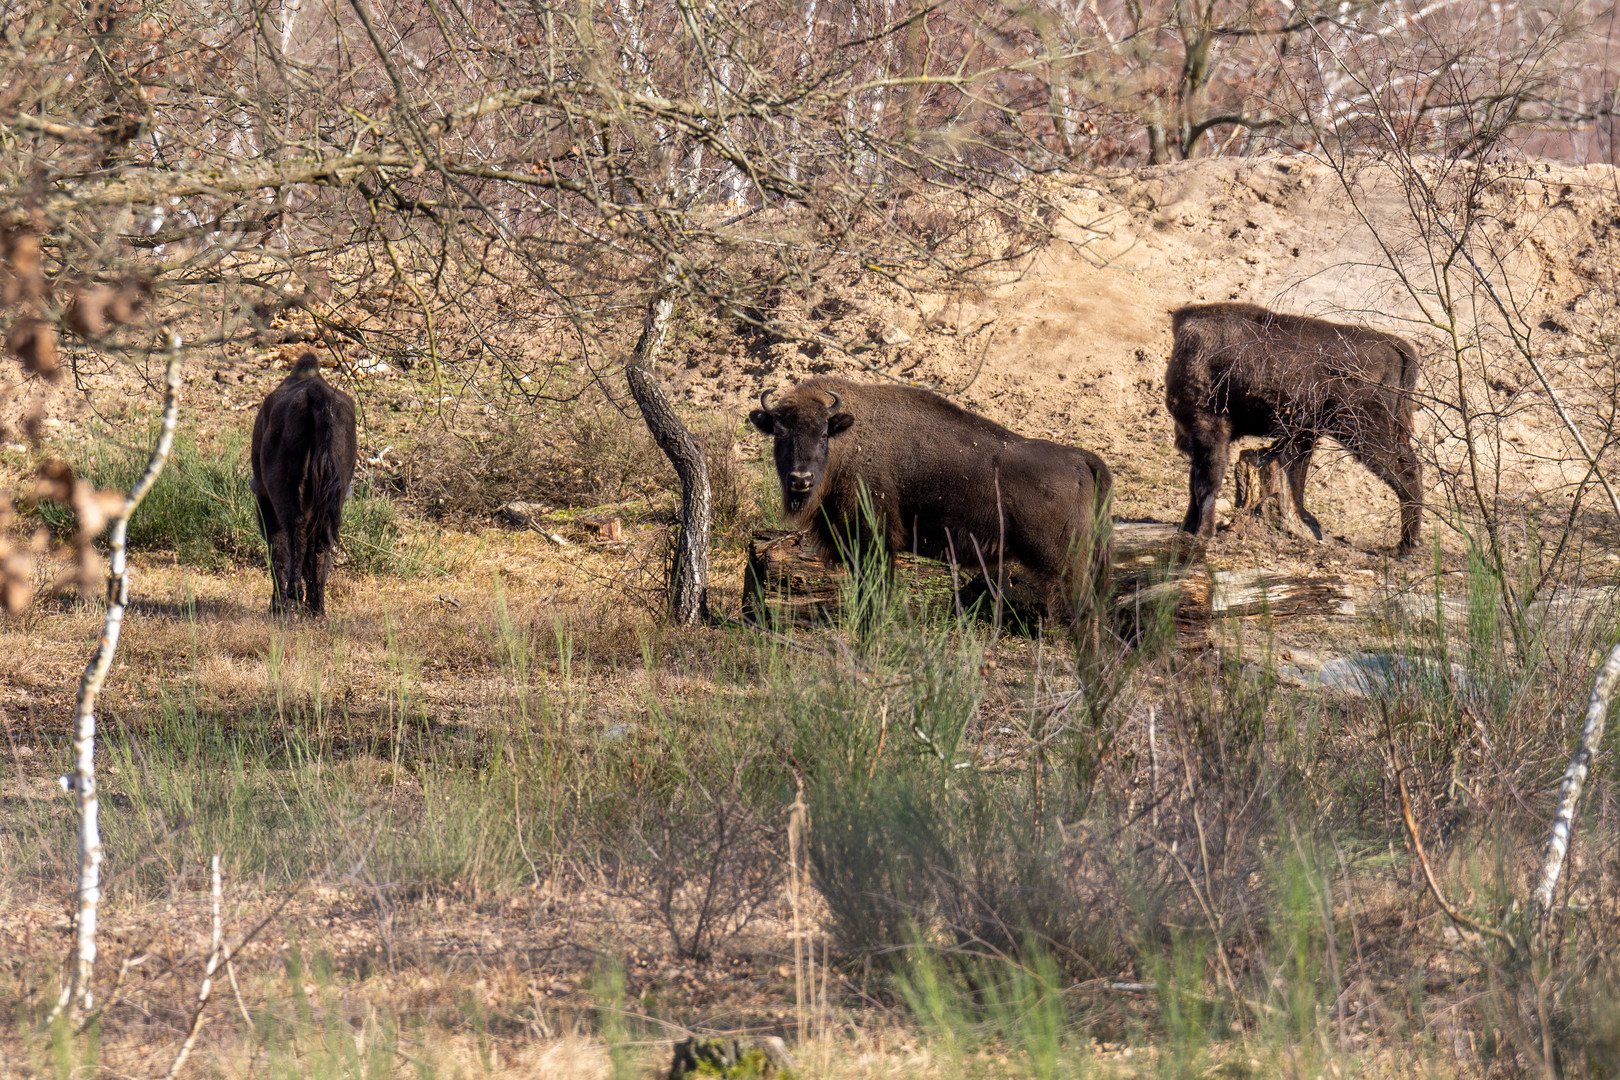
(1205, 475)
(1405, 476)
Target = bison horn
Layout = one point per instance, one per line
(836, 400)
(765, 399)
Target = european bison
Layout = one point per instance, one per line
(1238, 369)
(942, 482)
(303, 462)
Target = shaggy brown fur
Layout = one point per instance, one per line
(942, 482)
(303, 455)
(1238, 369)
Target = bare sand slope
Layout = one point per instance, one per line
(1074, 349)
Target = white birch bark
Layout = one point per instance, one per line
(78, 993)
(217, 954)
(804, 66)
(1597, 713)
(289, 16)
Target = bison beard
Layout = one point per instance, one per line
(303, 457)
(941, 482)
(1238, 369)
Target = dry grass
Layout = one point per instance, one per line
(559, 971)
(393, 749)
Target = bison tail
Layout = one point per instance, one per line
(1409, 365)
(325, 478)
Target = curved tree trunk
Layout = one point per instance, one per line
(689, 577)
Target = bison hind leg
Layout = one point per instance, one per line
(286, 588)
(1396, 464)
(317, 566)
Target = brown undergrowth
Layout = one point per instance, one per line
(476, 817)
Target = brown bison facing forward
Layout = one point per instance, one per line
(942, 482)
(1238, 369)
(303, 461)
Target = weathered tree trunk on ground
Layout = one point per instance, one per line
(1153, 564)
(689, 576)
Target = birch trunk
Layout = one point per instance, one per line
(77, 995)
(1597, 713)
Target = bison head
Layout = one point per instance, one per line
(801, 424)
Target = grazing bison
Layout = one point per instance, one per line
(1238, 369)
(303, 461)
(941, 481)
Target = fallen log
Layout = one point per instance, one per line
(787, 579)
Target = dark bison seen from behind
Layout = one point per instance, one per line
(943, 483)
(1238, 369)
(303, 458)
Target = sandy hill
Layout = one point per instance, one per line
(1075, 348)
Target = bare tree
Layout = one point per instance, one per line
(1449, 260)
(482, 183)
(94, 510)
(1158, 80)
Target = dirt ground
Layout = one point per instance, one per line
(1073, 350)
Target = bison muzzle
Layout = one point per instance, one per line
(1240, 370)
(941, 482)
(303, 457)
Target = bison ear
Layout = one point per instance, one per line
(839, 421)
(763, 421)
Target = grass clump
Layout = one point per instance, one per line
(201, 507)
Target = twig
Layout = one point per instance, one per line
(130, 963)
(216, 949)
(1153, 760)
(883, 733)
(798, 815)
(1452, 912)
(236, 991)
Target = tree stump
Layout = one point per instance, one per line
(1262, 489)
(789, 578)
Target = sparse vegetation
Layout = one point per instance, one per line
(1204, 865)
(500, 815)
